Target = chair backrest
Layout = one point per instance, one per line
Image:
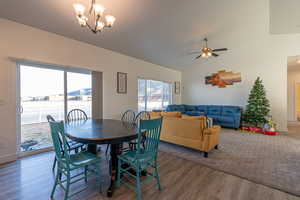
(143, 115)
(128, 116)
(150, 130)
(59, 141)
(50, 118)
(76, 114)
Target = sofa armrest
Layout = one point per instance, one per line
(210, 138)
(212, 130)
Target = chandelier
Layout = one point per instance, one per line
(94, 20)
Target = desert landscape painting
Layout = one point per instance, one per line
(223, 78)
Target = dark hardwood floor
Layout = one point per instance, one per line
(31, 178)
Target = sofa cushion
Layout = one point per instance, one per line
(171, 114)
(171, 108)
(230, 110)
(226, 119)
(202, 108)
(181, 108)
(190, 108)
(214, 110)
(194, 113)
(177, 108)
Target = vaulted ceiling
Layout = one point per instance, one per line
(158, 31)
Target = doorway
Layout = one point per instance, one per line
(293, 94)
(48, 90)
(297, 101)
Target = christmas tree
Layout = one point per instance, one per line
(258, 106)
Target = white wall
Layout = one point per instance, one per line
(293, 78)
(253, 52)
(25, 42)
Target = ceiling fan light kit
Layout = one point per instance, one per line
(207, 52)
(94, 20)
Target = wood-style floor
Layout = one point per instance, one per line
(31, 178)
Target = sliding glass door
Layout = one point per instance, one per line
(41, 94)
(49, 91)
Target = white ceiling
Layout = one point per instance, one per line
(158, 31)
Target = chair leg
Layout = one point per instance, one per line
(106, 151)
(55, 183)
(119, 173)
(85, 173)
(205, 154)
(67, 186)
(157, 177)
(138, 183)
(99, 176)
(54, 164)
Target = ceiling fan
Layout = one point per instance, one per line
(207, 52)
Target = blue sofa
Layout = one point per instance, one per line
(225, 116)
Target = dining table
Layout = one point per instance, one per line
(95, 132)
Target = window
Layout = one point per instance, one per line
(153, 94)
(80, 92)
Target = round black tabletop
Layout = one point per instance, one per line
(100, 131)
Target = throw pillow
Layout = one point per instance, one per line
(192, 117)
(154, 115)
(171, 114)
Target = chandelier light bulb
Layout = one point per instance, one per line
(100, 26)
(82, 20)
(110, 20)
(209, 54)
(98, 9)
(79, 9)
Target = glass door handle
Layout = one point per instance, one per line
(20, 109)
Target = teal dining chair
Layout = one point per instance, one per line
(67, 163)
(72, 145)
(132, 163)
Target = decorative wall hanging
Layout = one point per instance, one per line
(223, 78)
(121, 82)
(177, 87)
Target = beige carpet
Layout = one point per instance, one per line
(273, 161)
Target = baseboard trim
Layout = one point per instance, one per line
(25, 154)
(8, 158)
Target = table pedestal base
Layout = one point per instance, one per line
(115, 150)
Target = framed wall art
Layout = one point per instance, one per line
(177, 87)
(222, 78)
(121, 83)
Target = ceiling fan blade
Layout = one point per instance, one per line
(223, 49)
(198, 57)
(214, 54)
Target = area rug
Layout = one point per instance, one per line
(273, 161)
